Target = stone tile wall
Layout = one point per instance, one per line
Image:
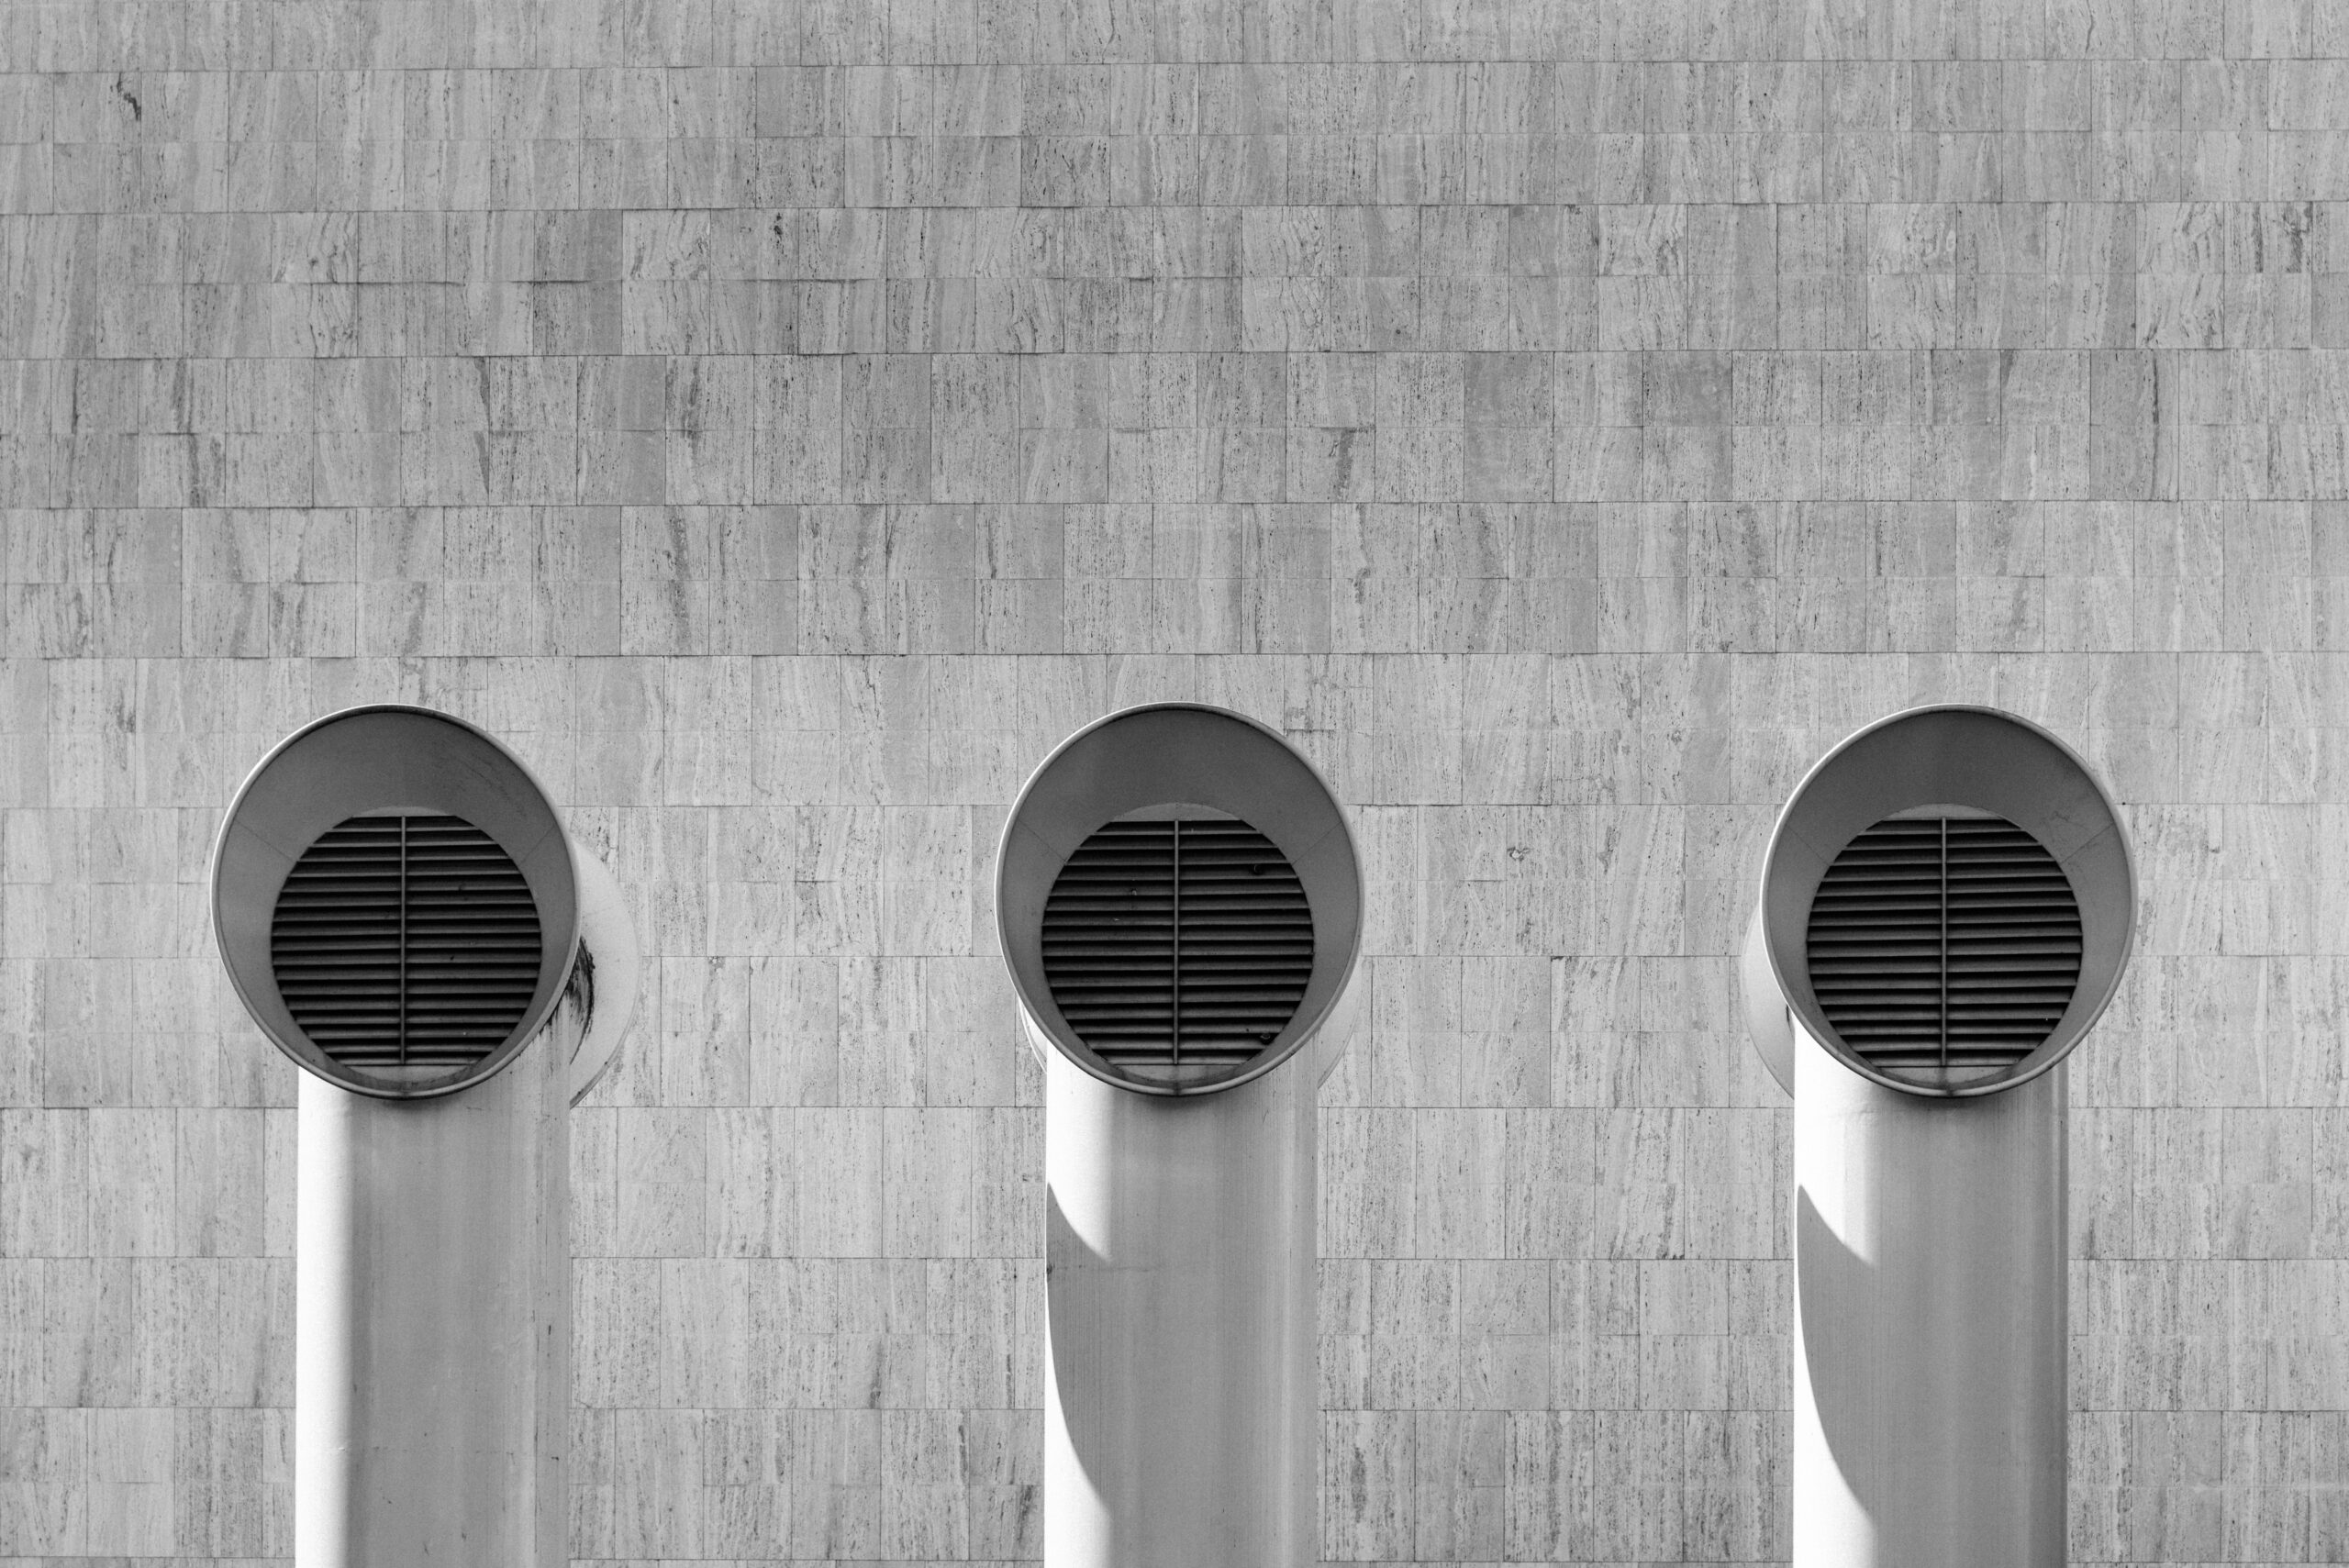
(783, 422)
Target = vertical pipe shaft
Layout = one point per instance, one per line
(431, 1351)
(1180, 1425)
(1931, 1307)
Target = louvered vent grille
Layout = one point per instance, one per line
(1944, 943)
(406, 941)
(1174, 943)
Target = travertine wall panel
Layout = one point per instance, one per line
(783, 422)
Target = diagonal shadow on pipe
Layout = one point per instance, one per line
(1845, 1384)
(1923, 1397)
(1075, 1357)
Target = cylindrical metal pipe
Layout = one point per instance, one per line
(1179, 1390)
(1930, 1322)
(1183, 1047)
(432, 1330)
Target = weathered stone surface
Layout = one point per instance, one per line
(783, 422)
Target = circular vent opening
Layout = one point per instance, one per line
(405, 940)
(1177, 943)
(1945, 945)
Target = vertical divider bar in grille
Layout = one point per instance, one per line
(1175, 991)
(403, 1007)
(1943, 942)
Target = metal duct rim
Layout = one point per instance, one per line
(377, 761)
(1962, 761)
(1160, 760)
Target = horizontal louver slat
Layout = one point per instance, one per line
(406, 940)
(1939, 943)
(1156, 968)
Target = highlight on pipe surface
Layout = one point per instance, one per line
(395, 900)
(1179, 900)
(1947, 904)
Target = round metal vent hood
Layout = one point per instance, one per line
(1179, 900)
(395, 900)
(1947, 904)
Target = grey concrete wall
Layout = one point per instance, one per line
(783, 422)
